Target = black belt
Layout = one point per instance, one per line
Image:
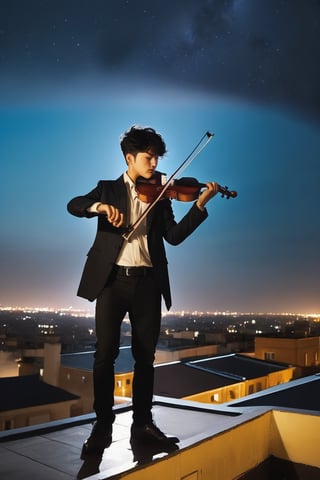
(133, 271)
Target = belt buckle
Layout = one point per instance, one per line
(127, 274)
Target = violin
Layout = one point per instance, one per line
(186, 189)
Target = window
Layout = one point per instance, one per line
(215, 397)
(259, 387)
(232, 394)
(128, 381)
(269, 356)
(251, 389)
(8, 424)
(119, 383)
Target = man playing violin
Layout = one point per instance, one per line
(130, 277)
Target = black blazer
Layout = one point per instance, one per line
(108, 241)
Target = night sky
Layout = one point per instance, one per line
(74, 75)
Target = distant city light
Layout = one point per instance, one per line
(89, 314)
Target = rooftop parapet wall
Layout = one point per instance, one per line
(231, 453)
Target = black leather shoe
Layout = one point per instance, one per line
(100, 438)
(150, 431)
(144, 451)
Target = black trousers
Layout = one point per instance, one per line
(140, 297)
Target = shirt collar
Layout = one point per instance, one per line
(131, 187)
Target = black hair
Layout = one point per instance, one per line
(139, 139)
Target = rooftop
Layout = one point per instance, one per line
(181, 380)
(303, 394)
(30, 391)
(238, 366)
(84, 360)
(185, 378)
(51, 451)
(220, 439)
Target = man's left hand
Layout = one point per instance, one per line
(211, 190)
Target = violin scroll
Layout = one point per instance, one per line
(225, 192)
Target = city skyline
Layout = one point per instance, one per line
(74, 312)
(73, 79)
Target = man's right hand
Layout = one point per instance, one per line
(113, 215)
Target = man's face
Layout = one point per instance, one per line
(143, 164)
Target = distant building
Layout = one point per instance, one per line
(303, 352)
(75, 375)
(210, 379)
(300, 394)
(219, 379)
(299, 328)
(28, 400)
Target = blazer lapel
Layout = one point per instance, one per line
(122, 196)
(150, 217)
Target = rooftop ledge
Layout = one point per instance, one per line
(216, 442)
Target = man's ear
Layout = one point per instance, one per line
(130, 158)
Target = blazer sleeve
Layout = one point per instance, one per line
(177, 232)
(78, 205)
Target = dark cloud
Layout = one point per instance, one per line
(265, 51)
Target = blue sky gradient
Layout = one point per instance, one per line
(60, 123)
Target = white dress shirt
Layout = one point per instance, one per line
(134, 253)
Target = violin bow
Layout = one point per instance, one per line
(205, 139)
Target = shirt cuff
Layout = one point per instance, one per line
(93, 207)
